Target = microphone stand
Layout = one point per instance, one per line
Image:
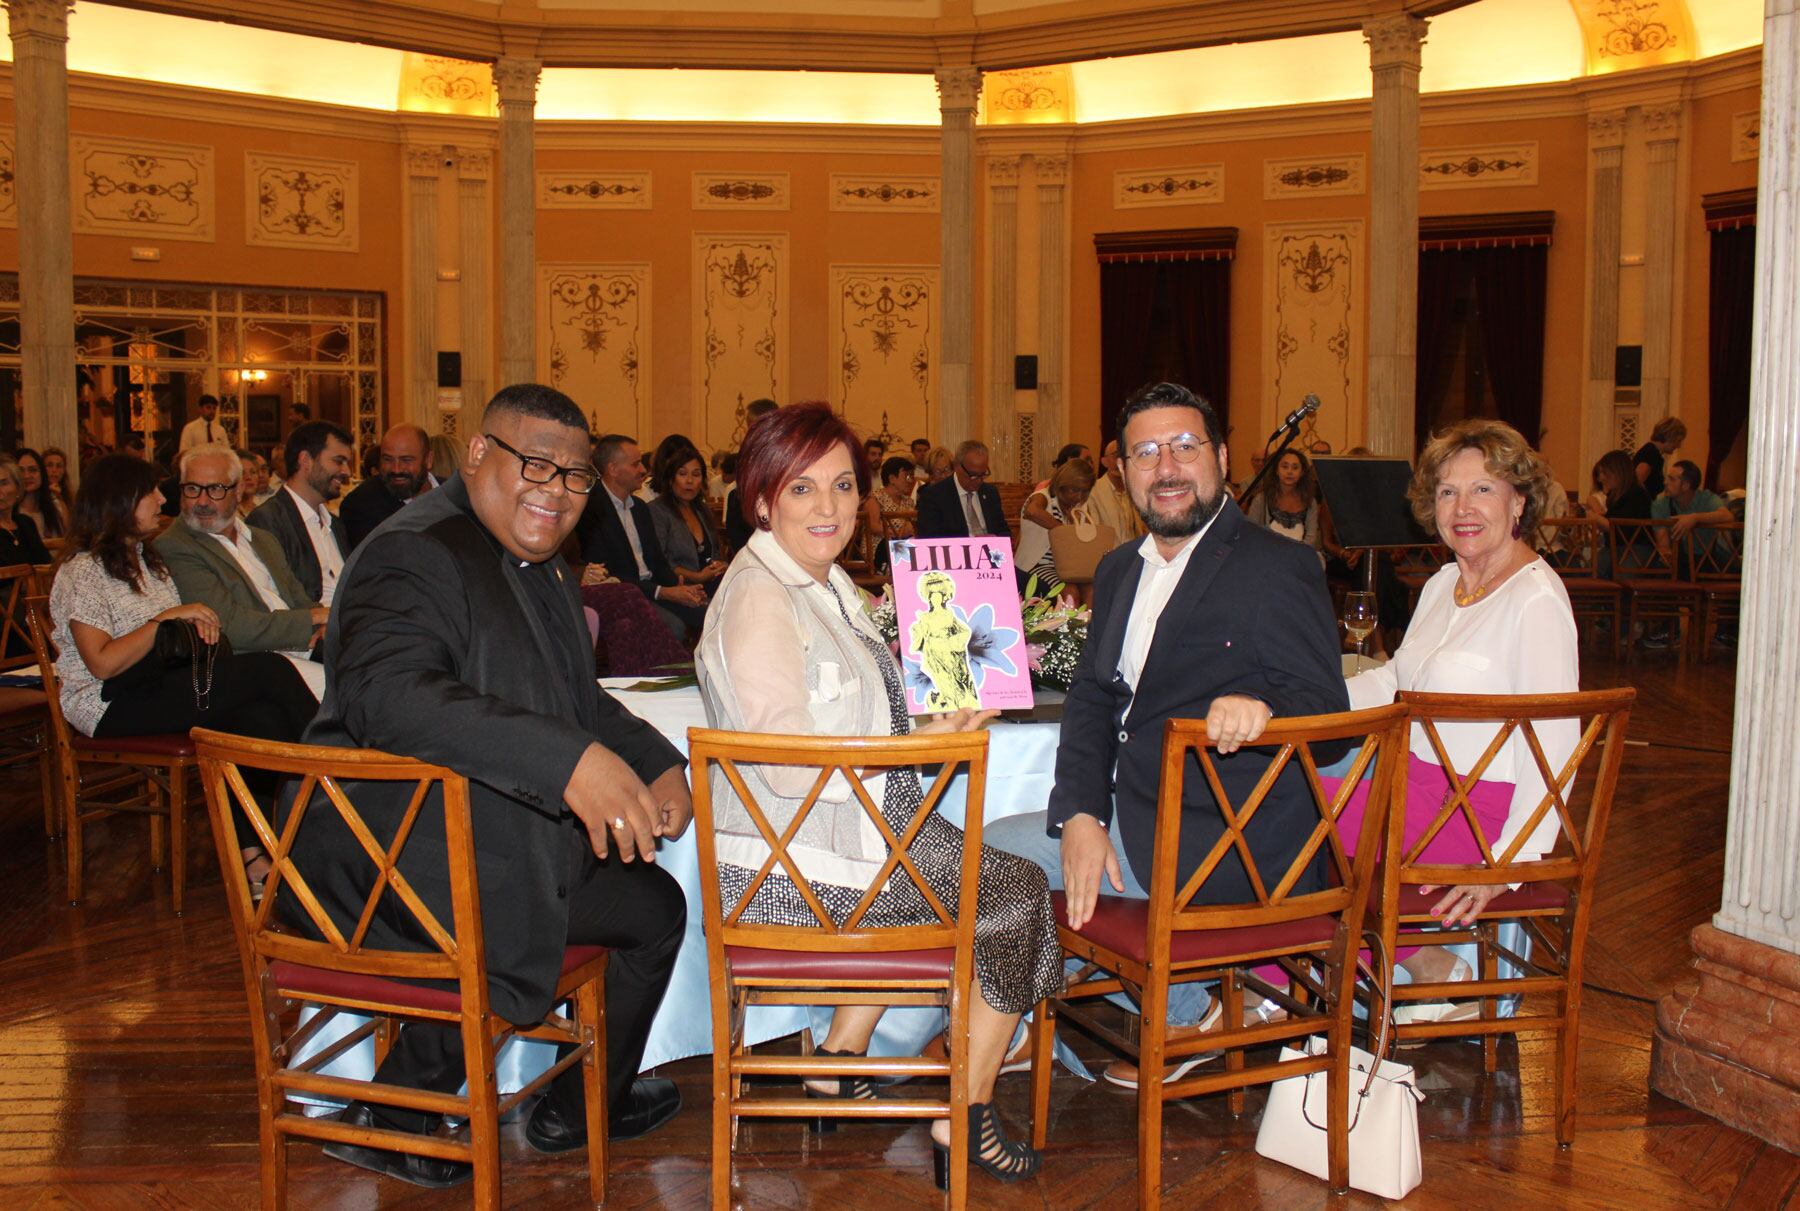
(1287, 433)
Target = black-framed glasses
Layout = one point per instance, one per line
(579, 480)
(213, 491)
(1184, 446)
(973, 474)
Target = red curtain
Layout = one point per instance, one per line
(1730, 309)
(1164, 320)
(1509, 285)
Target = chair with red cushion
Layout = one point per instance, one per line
(1554, 899)
(1142, 947)
(143, 775)
(833, 964)
(341, 974)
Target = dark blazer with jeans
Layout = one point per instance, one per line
(280, 516)
(941, 511)
(1250, 615)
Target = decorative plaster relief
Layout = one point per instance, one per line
(1315, 176)
(740, 191)
(1746, 142)
(136, 187)
(1029, 96)
(1475, 167)
(300, 202)
(434, 84)
(1314, 333)
(889, 191)
(593, 190)
(1196, 183)
(594, 340)
(740, 330)
(9, 194)
(884, 338)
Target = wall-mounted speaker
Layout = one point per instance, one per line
(449, 369)
(1025, 372)
(1628, 366)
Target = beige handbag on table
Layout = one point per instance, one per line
(1384, 1112)
(1077, 547)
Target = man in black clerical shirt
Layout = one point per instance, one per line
(456, 637)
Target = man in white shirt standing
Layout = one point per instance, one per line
(204, 429)
(312, 538)
(237, 569)
(1210, 617)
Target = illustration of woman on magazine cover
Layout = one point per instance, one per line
(941, 639)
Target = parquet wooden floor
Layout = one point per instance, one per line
(125, 1073)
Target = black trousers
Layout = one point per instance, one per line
(679, 618)
(637, 910)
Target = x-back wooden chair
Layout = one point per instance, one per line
(1576, 545)
(832, 962)
(25, 713)
(1554, 900)
(1715, 559)
(1645, 564)
(343, 974)
(144, 775)
(1142, 947)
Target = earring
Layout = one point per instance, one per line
(1515, 527)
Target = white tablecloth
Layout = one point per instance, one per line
(1021, 768)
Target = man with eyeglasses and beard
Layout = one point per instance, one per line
(1210, 618)
(318, 456)
(402, 474)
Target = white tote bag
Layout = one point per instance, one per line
(1384, 1116)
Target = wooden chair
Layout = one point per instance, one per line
(1645, 565)
(1142, 947)
(342, 974)
(859, 558)
(899, 523)
(1576, 545)
(145, 775)
(1415, 564)
(1715, 557)
(24, 712)
(1555, 899)
(1012, 500)
(833, 963)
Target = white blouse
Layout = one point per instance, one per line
(1519, 639)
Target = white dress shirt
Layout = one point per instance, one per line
(623, 508)
(318, 528)
(201, 432)
(238, 543)
(1156, 584)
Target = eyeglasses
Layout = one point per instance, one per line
(579, 480)
(213, 491)
(973, 474)
(1184, 446)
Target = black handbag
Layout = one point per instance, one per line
(176, 649)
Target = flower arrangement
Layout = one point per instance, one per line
(1056, 631)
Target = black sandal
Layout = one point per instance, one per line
(1004, 1159)
(850, 1088)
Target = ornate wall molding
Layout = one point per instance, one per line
(1395, 41)
(423, 160)
(1746, 136)
(300, 202)
(888, 191)
(1315, 176)
(39, 18)
(1618, 34)
(1474, 167)
(9, 172)
(472, 163)
(1313, 324)
(1051, 170)
(959, 88)
(593, 190)
(884, 344)
(440, 85)
(1606, 128)
(740, 191)
(134, 186)
(740, 329)
(1028, 96)
(516, 80)
(1003, 170)
(1662, 121)
(1191, 185)
(594, 340)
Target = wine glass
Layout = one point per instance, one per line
(1359, 620)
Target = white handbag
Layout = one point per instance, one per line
(1384, 1115)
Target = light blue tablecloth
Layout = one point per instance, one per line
(1021, 768)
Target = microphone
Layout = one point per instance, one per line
(1309, 404)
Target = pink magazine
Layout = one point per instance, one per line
(962, 642)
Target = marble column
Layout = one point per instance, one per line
(1662, 146)
(1394, 47)
(475, 303)
(423, 167)
(959, 88)
(1606, 155)
(1002, 310)
(1053, 292)
(40, 74)
(1730, 1045)
(515, 83)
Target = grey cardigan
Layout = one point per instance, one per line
(674, 537)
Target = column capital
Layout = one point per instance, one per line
(1395, 41)
(1052, 170)
(959, 88)
(1606, 128)
(39, 18)
(1003, 170)
(471, 163)
(516, 80)
(425, 161)
(1662, 122)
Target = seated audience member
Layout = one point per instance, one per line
(684, 524)
(1068, 491)
(19, 543)
(1108, 502)
(921, 454)
(457, 638)
(56, 493)
(1071, 450)
(894, 495)
(446, 457)
(1494, 620)
(1620, 498)
(37, 500)
(875, 451)
(664, 448)
(616, 530)
(965, 504)
(938, 463)
(312, 539)
(1691, 506)
(785, 615)
(1647, 463)
(1154, 655)
(255, 474)
(403, 471)
(111, 592)
(737, 525)
(716, 483)
(1288, 502)
(223, 562)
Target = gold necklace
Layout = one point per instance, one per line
(1468, 599)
